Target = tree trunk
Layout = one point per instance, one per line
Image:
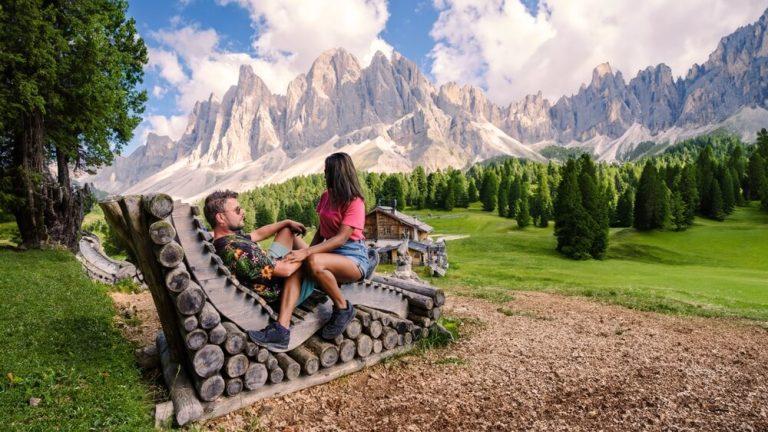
(28, 188)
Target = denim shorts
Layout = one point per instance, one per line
(357, 251)
(278, 251)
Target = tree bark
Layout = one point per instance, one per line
(28, 188)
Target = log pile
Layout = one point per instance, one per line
(205, 314)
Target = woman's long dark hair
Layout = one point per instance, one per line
(341, 180)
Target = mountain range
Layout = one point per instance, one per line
(390, 117)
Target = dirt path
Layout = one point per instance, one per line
(547, 363)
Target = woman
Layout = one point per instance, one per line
(337, 253)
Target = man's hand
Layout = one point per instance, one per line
(297, 255)
(296, 227)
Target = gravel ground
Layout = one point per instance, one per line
(539, 362)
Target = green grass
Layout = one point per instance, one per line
(712, 269)
(60, 345)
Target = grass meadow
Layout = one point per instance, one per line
(712, 269)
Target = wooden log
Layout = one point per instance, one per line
(210, 388)
(236, 366)
(422, 321)
(271, 362)
(400, 339)
(170, 255)
(236, 338)
(217, 334)
(162, 232)
(415, 299)
(276, 375)
(337, 340)
(208, 360)
(354, 328)
(251, 350)
(377, 315)
(416, 333)
(407, 338)
(190, 323)
(191, 300)
(227, 405)
(291, 368)
(389, 338)
(147, 357)
(401, 325)
(326, 352)
(364, 345)
(437, 295)
(363, 317)
(177, 279)
(256, 376)
(114, 217)
(309, 362)
(186, 405)
(347, 350)
(158, 205)
(164, 415)
(196, 339)
(208, 317)
(233, 386)
(433, 313)
(263, 355)
(374, 330)
(142, 247)
(377, 346)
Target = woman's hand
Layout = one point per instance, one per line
(297, 255)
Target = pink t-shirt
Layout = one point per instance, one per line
(332, 218)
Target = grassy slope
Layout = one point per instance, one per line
(60, 345)
(714, 268)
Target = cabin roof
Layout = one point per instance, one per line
(402, 217)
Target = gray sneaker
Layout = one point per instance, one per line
(338, 322)
(273, 335)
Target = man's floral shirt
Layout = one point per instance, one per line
(248, 261)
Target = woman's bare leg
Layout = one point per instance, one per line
(329, 270)
(291, 291)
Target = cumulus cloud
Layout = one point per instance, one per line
(500, 46)
(292, 33)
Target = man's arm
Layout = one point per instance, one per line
(267, 231)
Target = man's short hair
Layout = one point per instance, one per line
(214, 204)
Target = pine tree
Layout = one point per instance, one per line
(755, 176)
(514, 196)
(523, 213)
(419, 181)
(489, 191)
(716, 210)
(689, 192)
(624, 209)
(573, 237)
(705, 175)
(543, 201)
(646, 198)
(726, 186)
(472, 194)
(678, 211)
(594, 204)
(392, 189)
(503, 196)
(263, 214)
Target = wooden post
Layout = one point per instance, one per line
(288, 365)
(186, 405)
(309, 362)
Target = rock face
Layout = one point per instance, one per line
(390, 117)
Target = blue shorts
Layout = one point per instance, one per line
(278, 251)
(357, 251)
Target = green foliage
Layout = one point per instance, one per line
(392, 189)
(625, 209)
(571, 221)
(489, 190)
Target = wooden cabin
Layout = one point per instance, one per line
(386, 223)
(386, 228)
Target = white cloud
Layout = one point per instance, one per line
(167, 64)
(498, 45)
(172, 126)
(159, 91)
(292, 33)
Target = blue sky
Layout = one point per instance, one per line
(509, 48)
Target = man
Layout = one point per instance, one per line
(279, 282)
